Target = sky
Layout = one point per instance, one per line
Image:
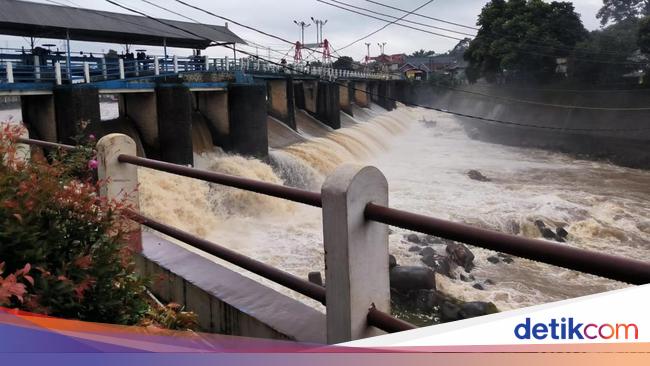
(277, 17)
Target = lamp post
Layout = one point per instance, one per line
(302, 26)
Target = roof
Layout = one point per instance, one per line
(27, 19)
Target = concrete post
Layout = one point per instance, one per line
(280, 100)
(86, 72)
(207, 63)
(248, 131)
(156, 66)
(57, 73)
(356, 252)
(174, 109)
(328, 108)
(121, 64)
(75, 106)
(104, 69)
(361, 94)
(10, 72)
(175, 61)
(121, 179)
(37, 68)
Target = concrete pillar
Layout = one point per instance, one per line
(174, 109)
(281, 102)
(141, 108)
(310, 93)
(345, 97)
(76, 106)
(356, 268)
(385, 95)
(299, 95)
(373, 90)
(361, 98)
(247, 112)
(328, 108)
(121, 178)
(39, 116)
(214, 106)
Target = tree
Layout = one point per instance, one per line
(423, 53)
(616, 11)
(343, 63)
(643, 35)
(522, 40)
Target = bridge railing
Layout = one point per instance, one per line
(355, 215)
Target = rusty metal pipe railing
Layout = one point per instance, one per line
(285, 279)
(375, 317)
(45, 144)
(605, 265)
(269, 189)
(386, 322)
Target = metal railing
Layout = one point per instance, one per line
(605, 265)
(55, 69)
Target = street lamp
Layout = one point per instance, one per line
(302, 26)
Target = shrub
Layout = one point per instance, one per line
(62, 245)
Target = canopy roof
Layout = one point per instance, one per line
(27, 19)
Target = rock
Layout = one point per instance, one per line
(561, 232)
(413, 238)
(476, 308)
(507, 260)
(488, 282)
(439, 264)
(410, 278)
(478, 176)
(547, 233)
(478, 286)
(449, 312)
(464, 278)
(427, 251)
(315, 278)
(427, 299)
(493, 259)
(430, 239)
(414, 248)
(392, 261)
(461, 255)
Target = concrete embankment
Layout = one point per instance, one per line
(609, 125)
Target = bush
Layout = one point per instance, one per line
(62, 246)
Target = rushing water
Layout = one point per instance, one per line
(425, 156)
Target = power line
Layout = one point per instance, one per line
(493, 120)
(423, 16)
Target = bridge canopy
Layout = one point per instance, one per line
(27, 19)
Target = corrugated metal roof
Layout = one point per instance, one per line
(27, 19)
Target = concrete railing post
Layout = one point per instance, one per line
(207, 63)
(120, 179)
(57, 72)
(104, 69)
(10, 72)
(156, 66)
(121, 64)
(356, 252)
(175, 61)
(86, 72)
(227, 64)
(37, 68)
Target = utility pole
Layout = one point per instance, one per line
(382, 46)
(302, 26)
(319, 29)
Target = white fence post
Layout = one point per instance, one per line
(37, 68)
(156, 66)
(175, 61)
(57, 72)
(86, 72)
(207, 63)
(121, 179)
(121, 63)
(227, 64)
(104, 69)
(10, 72)
(356, 252)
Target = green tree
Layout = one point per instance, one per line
(643, 35)
(423, 53)
(615, 11)
(522, 39)
(343, 63)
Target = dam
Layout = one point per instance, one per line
(293, 128)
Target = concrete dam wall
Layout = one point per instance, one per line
(609, 125)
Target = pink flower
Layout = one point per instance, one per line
(91, 137)
(92, 164)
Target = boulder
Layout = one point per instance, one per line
(493, 259)
(315, 278)
(413, 238)
(561, 232)
(392, 261)
(478, 176)
(477, 308)
(449, 312)
(478, 286)
(488, 282)
(415, 248)
(505, 258)
(547, 233)
(411, 278)
(468, 278)
(439, 264)
(427, 251)
(461, 255)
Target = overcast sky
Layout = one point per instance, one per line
(277, 16)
